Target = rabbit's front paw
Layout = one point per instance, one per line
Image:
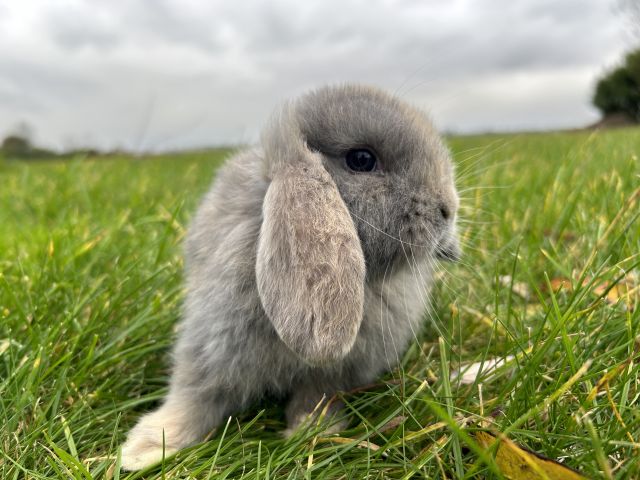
(157, 435)
(138, 455)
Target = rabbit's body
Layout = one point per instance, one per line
(222, 279)
(267, 276)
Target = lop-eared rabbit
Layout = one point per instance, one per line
(308, 264)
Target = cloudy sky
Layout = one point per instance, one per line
(165, 74)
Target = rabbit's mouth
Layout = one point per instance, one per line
(449, 251)
(435, 241)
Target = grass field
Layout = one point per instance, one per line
(90, 292)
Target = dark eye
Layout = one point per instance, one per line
(361, 160)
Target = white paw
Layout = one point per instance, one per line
(300, 421)
(157, 435)
(137, 457)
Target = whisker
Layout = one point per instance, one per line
(388, 234)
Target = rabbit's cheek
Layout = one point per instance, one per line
(419, 236)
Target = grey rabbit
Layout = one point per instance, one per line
(308, 264)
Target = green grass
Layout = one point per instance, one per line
(90, 292)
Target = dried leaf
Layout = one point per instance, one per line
(516, 463)
(605, 379)
(409, 437)
(625, 290)
(393, 423)
(349, 441)
(557, 284)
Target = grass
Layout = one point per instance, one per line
(90, 292)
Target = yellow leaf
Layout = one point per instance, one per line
(623, 290)
(626, 289)
(349, 441)
(610, 375)
(557, 284)
(516, 463)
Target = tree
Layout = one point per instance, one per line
(619, 90)
(16, 145)
(18, 142)
(633, 65)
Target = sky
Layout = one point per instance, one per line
(154, 75)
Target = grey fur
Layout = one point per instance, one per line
(303, 277)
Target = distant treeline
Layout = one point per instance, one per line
(618, 91)
(19, 147)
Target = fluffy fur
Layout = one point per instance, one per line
(305, 278)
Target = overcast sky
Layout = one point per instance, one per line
(165, 74)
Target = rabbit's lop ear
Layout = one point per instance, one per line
(310, 267)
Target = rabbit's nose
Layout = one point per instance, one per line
(445, 211)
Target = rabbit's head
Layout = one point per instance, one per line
(361, 183)
(392, 171)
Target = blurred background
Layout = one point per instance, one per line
(150, 76)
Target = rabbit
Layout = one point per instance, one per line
(308, 264)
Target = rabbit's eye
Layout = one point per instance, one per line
(361, 160)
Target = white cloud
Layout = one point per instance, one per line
(156, 74)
